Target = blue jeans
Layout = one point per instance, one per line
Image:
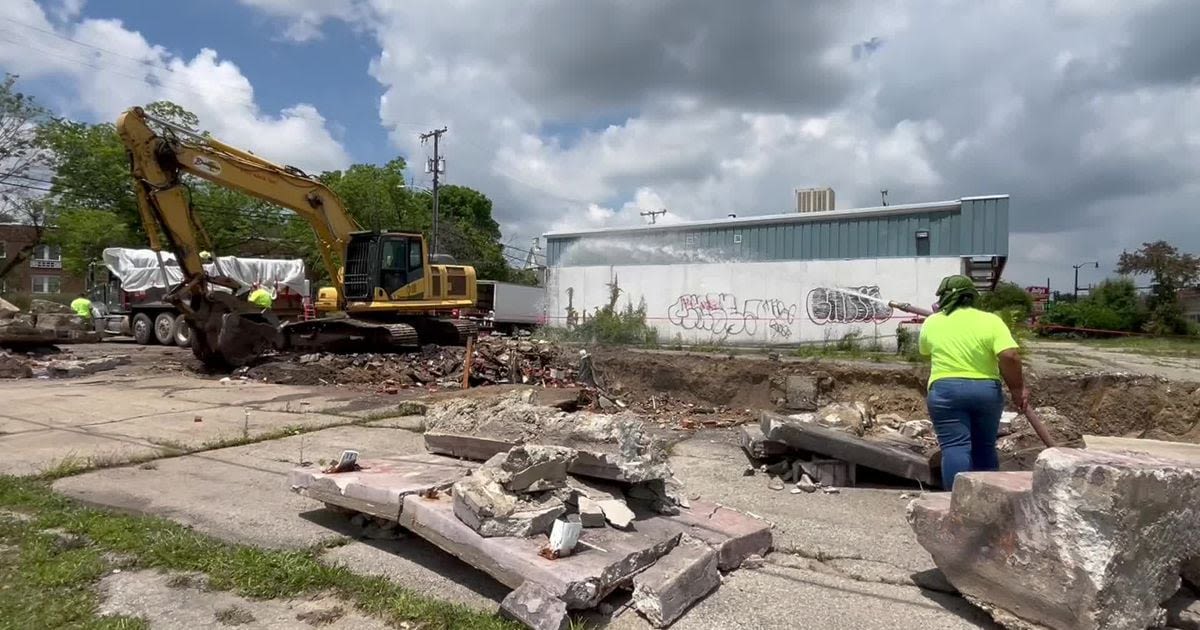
(966, 417)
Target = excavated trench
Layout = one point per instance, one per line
(1100, 404)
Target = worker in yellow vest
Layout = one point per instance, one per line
(260, 297)
(82, 306)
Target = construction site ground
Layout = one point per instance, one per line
(158, 437)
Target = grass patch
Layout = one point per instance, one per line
(1149, 346)
(49, 584)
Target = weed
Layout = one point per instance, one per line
(233, 616)
(320, 618)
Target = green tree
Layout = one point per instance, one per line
(1008, 296)
(21, 163)
(1171, 271)
(90, 169)
(83, 234)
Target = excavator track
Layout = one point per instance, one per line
(445, 331)
(402, 336)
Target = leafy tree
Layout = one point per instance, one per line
(90, 169)
(1171, 270)
(83, 234)
(1008, 296)
(1113, 305)
(22, 162)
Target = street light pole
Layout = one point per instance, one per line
(1084, 264)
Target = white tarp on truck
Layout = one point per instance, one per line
(138, 270)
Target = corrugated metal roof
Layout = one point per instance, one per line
(790, 217)
(970, 226)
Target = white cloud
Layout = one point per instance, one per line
(112, 68)
(585, 114)
(304, 18)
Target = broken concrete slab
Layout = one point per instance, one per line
(379, 486)
(801, 392)
(7, 309)
(733, 534)
(38, 306)
(605, 559)
(616, 513)
(465, 446)
(83, 367)
(882, 456)
(1065, 545)
(485, 506)
(756, 444)
(678, 580)
(536, 607)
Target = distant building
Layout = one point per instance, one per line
(781, 279)
(42, 273)
(814, 199)
(1189, 301)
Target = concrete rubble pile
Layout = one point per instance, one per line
(496, 360)
(1088, 539)
(55, 366)
(46, 323)
(826, 447)
(564, 508)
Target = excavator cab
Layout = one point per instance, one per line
(378, 265)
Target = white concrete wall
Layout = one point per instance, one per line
(767, 303)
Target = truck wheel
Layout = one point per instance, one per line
(164, 329)
(143, 329)
(183, 332)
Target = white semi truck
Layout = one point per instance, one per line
(507, 307)
(127, 291)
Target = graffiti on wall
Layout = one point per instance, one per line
(847, 305)
(724, 315)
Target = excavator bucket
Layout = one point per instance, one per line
(227, 332)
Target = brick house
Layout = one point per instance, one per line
(42, 273)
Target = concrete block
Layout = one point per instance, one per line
(830, 472)
(679, 579)
(380, 485)
(757, 446)
(532, 467)
(590, 513)
(885, 457)
(533, 605)
(605, 558)
(1069, 545)
(801, 392)
(1182, 451)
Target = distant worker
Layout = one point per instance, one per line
(82, 306)
(261, 297)
(971, 350)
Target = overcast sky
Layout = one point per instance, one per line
(582, 114)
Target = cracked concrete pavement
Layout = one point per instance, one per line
(842, 561)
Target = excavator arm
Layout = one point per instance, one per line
(158, 161)
(227, 329)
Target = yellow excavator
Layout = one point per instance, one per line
(388, 293)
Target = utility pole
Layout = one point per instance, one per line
(653, 214)
(437, 166)
(1092, 263)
